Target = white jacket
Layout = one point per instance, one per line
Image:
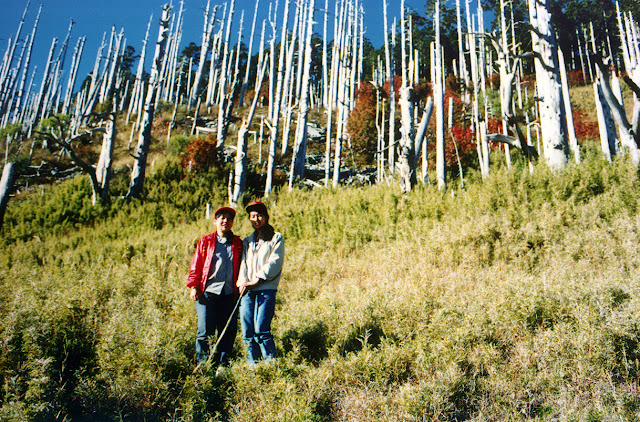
(262, 260)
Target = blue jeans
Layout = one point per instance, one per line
(213, 313)
(256, 312)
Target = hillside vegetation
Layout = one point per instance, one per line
(515, 299)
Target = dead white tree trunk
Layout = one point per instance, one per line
(325, 76)
(113, 69)
(571, 131)
(214, 68)
(245, 82)
(73, 74)
(551, 104)
(476, 81)
(5, 68)
(504, 64)
(6, 185)
(104, 169)
(144, 138)
(19, 108)
(44, 86)
(628, 138)
(438, 95)
(392, 106)
(105, 67)
(240, 172)
(464, 75)
(300, 145)
(606, 125)
(345, 55)
(177, 70)
(207, 33)
(283, 76)
(406, 158)
(92, 93)
(138, 84)
(222, 88)
(333, 84)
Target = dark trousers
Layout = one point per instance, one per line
(213, 313)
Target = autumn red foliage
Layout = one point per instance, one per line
(584, 127)
(362, 122)
(200, 155)
(576, 78)
(465, 142)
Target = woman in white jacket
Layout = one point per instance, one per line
(260, 269)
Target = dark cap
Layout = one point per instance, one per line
(257, 206)
(228, 210)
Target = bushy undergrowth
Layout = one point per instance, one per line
(514, 299)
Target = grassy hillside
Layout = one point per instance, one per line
(515, 299)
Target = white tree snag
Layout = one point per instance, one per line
(631, 56)
(105, 66)
(73, 74)
(504, 64)
(300, 145)
(346, 55)
(222, 87)
(138, 85)
(333, 86)
(240, 172)
(392, 106)
(6, 185)
(19, 109)
(438, 95)
(325, 76)
(551, 103)
(44, 86)
(144, 138)
(207, 33)
(606, 125)
(476, 69)
(406, 156)
(380, 129)
(104, 170)
(421, 133)
(571, 131)
(464, 75)
(176, 70)
(245, 82)
(92, 93)
(628, 138)
(115, 60)
(6, 66)
(271, 160)
(284, 75)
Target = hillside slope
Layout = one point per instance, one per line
(515, 299)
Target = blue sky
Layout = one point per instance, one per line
(93, 17)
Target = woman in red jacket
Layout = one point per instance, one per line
(212, 279)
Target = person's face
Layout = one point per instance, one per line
(224, 222)
(257, 220)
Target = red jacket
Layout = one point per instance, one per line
(202, 258)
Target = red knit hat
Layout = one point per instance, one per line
(257, 206)
(228, 210)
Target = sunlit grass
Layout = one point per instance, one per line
(514, 299)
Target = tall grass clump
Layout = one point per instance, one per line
(516, 298)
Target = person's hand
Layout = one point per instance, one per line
(193, 295)
(246, 285)
(251, 283)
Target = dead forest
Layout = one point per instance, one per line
(444, 84)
